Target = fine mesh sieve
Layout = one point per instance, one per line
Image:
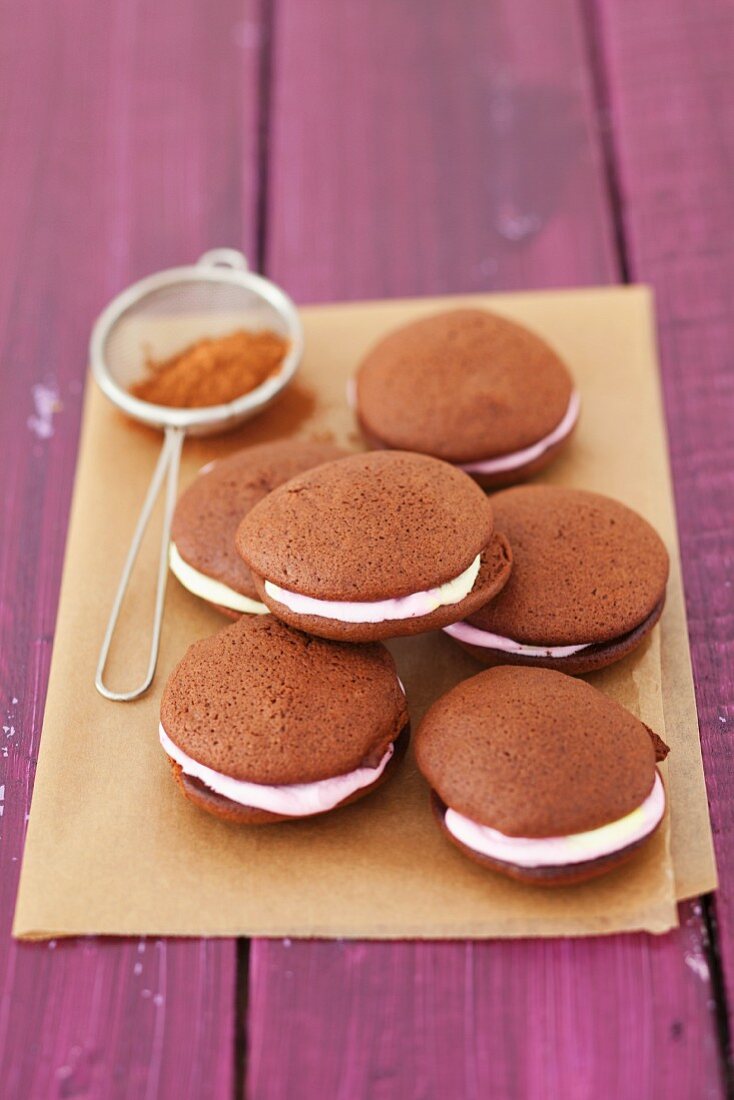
(153, 319)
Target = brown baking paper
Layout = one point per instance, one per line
(113, 848)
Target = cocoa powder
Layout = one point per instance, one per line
(213, 371)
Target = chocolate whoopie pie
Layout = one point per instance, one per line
(202, 553)
(587, 585)
(375, 546)
(540, 776)
(472, 388)
(263, 723)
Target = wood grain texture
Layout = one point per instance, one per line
(615, 1018)
(668, 72)
(127, 143)
(433, 148)
(447, 152)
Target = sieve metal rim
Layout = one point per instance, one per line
(162, 416)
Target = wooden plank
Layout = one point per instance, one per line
(423, 150)
(127, 143)
(668, 73)
(433, 148)
(620, 1017)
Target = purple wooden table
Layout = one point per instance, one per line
(357, 150)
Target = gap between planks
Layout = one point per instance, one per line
(592, 23)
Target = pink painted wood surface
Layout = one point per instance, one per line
(669, 76)
(457, 149)
(406, 146)
(127, 143)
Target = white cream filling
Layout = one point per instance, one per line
(558, 851)
(528, 454)
(472, 635)
(294, 800)
(209, 589)
(380, 611)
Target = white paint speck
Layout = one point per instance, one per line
(722, 719)
(159, 1000)
(138, 969)
(515, 225)
(14, 700)
(52, 945)
(698, 964)
(45, 402)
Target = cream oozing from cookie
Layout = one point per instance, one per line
(560, 851)
(293, 800)
(515, 459)
(379, 611)
(210, 589)
(472, 635)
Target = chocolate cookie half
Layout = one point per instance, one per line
(472, 388)
(263, 723)
(540, 776)
(202, 553)
(587, 586)
(374, 546)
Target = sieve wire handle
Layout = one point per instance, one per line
(169, 461)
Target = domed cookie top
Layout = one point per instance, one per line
(588, 581)
(210, 509)
(469, 387)
(264, 703)
(338, 550)
(263, 722)
(537, 771)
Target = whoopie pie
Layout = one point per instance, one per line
(202, 553)
(472, 388)
(587, 585)
(263, 723)
(540, 776)
(374, 546)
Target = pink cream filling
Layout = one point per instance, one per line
(472, 635)
(559, 851)
(514, 459)
(528, 454)
(412, 606)
(295, 800)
